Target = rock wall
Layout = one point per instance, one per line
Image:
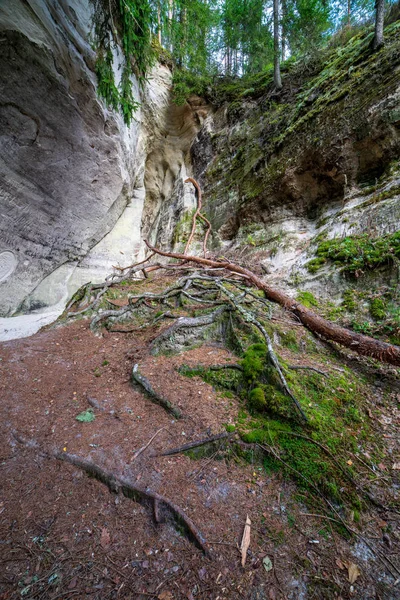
(72, 174)
(281, 171)
(79, 190)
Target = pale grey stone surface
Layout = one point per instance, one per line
(74, 197)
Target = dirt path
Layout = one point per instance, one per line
(63, 535)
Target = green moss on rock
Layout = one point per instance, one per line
(355, 254)
(377, 308)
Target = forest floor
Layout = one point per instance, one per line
(64, 535)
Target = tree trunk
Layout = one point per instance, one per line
(361, 344)
(159, 24)
(379, 18)
(277, 68)
(283, 41)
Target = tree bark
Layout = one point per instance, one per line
(277, 67)
(361, 344)
(283, 32)
(379, 19)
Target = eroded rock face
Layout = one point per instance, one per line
(72, 174)
(67, 166)
(281, 172)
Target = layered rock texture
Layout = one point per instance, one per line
(80, 190)
(283, 171)
(72, 174)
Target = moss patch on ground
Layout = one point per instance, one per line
(318, 455)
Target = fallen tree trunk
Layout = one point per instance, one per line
(361, 344)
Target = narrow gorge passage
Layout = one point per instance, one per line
(199, 300)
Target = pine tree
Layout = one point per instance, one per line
(277, 68)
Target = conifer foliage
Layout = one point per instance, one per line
(205, 39)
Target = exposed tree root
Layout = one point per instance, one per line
(361, 344)
(221, 367)
(107, 314)
(306, 368)
(156, 398)
(189, 322)
(203, 285)
(196, 215)
(93, 304)
(250, 318)
(210, 440)
(163, 509)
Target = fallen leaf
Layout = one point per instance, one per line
(349, 462)
(267, 563)
(87, 416)
(165, 596)
(244, 546)
(105, 538)
(203, 574)
(354, 572)
(381, 523)
(382, 467)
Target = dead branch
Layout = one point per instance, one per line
(210, 440)
(361, 344)
(143, 448)
(156, 398)
(135, 264)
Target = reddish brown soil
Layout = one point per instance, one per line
(63, 535)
